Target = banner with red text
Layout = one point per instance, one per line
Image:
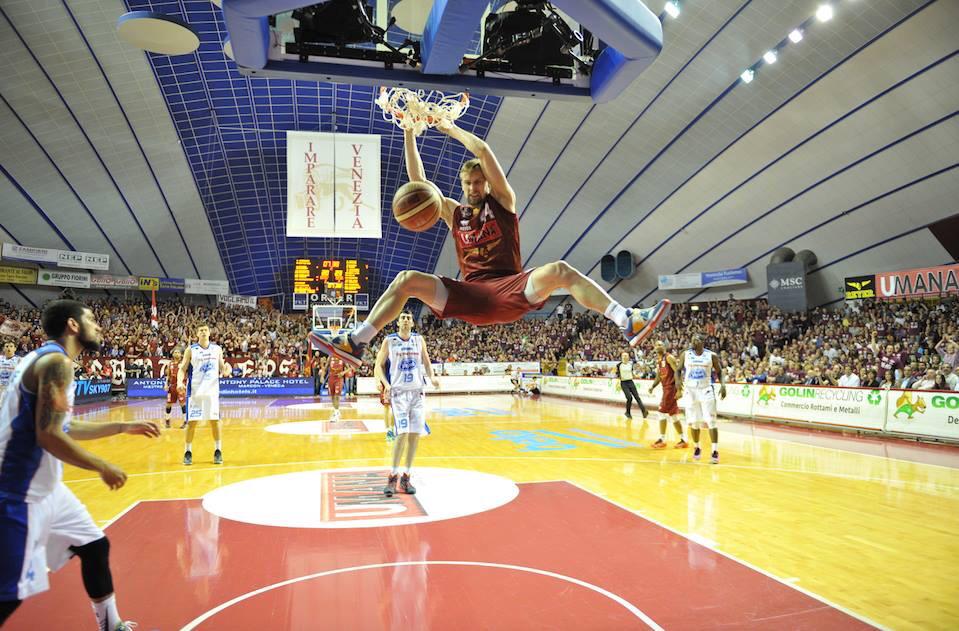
(332, 185)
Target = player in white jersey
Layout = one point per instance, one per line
(42, 524)
(8, 363)
(409, 361)
(699, 397)
(203, 363)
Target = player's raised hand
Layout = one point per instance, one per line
(143, 428)
(112, 476)
(444, 125)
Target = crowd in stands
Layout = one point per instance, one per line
(866, 343)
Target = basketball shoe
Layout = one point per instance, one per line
(390, 488)
(405, 485)
(641, 322)
(659, 444)
(341, 346)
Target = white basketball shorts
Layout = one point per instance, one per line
(409, 411)
(38, 536)
(203, 407)
(700, 406)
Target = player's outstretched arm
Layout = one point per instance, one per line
(181, 373)
(54, 376)
(414, 164)
(379, 367)
(502, 191)
(678, 373)
(428, 366)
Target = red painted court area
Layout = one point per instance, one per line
(556, 557)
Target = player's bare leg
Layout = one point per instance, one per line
(398, 447)
(188, 448)
(714, 439)
(677, 425)
(409, 284)
(636, 324)
(217, 454)
(412, 442)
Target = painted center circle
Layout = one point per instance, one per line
(353, 498)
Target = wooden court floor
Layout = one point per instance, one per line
(868, 525)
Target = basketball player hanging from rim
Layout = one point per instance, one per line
(494, 289)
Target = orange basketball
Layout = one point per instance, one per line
(416, 206)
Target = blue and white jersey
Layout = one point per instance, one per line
(699, 369)
(205, 370)
(27, 472)
(7, 366)
(405, 363)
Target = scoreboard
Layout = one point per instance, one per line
(319, 276)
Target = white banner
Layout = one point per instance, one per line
(62, 258)
(57, 278)
(83, 260)
(850, 407)
(692, 280)
(495, 368)
(231, 300)
(205, 287)
(924, 412)
(333, 185)
(449, 385)
(16, 252)
(106, 281)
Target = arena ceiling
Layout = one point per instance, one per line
(175, 166)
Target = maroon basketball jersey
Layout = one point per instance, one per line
(487, 241)
(666, 376)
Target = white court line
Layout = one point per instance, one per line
(846, 611)
(844, 476)
(520, 568)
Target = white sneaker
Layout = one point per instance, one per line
(125, 626)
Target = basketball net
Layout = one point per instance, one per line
(418, 110)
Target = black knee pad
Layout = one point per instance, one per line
(183, 409)
(168, 408)
(95, 567)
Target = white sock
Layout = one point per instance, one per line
(716, 446)
(217, 444)
(409, 470)
(395, 470)
(106, 613)
(189, 447)
(662, 437)
(364, 333)
(617, 313)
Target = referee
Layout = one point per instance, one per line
(624, 370)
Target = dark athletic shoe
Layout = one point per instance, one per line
(390, 487)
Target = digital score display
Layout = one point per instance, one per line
(318, 276)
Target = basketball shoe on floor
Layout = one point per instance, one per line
(390, 488)
(188, 457)
(405, 485)
(641, 322)
(341, 346)
(714, 458)
(217, 457)
(697, 453)
(682, 444)
(659, 444)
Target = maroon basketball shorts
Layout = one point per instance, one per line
(494, 301)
